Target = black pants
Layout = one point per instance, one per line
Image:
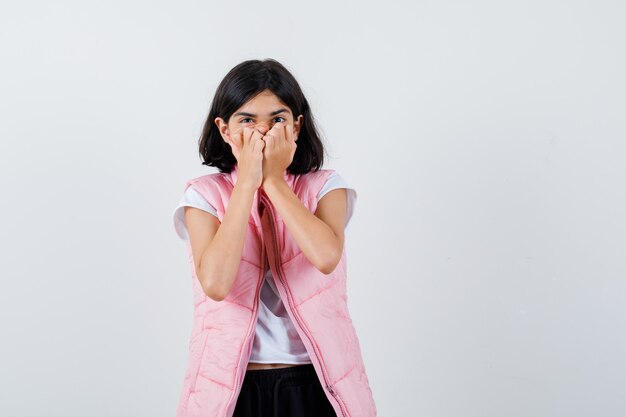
(294, 391)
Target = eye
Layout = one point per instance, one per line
(244, 120)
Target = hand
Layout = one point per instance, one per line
(247, 147)
(280, 147)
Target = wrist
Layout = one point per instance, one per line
(272, 182)
(247, 188)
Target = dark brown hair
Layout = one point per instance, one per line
(243, 83)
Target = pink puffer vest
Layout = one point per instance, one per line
(223, 331)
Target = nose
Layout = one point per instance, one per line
(263, 128)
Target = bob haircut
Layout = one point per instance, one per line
(242, 83)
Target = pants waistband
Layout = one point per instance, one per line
(292, 375)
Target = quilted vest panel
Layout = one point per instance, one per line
(223, 331)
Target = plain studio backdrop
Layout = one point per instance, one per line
(486, 142)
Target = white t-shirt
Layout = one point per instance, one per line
(276, 340)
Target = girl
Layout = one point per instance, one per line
(272, 335)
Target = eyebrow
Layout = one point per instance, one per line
(243, 113)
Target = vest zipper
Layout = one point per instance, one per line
(295, 312)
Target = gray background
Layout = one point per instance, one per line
(486, 142)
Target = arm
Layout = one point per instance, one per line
(217, 248)
(319, 235)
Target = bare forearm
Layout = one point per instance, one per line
(220, 261)
(315, 238)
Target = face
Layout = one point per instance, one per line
(260, 113)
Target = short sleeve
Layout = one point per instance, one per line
(335, 181)
(191, 198)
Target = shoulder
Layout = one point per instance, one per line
(336, 181)
(308, 185)
(318, 177)
(333, 181)
(211, 185)
(215, 178)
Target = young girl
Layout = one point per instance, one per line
(272, 335)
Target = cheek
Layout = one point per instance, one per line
(235, 130)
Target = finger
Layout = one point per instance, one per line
(256, 134)
(259, 145)
(247, 135)
(270, 141)
(230, 141)
(241, 138)
(282, 135)
(235, 139)
(256, 142)
(289, 133)
(253, 135)
(275, 130)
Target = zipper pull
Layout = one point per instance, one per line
(330, 388)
